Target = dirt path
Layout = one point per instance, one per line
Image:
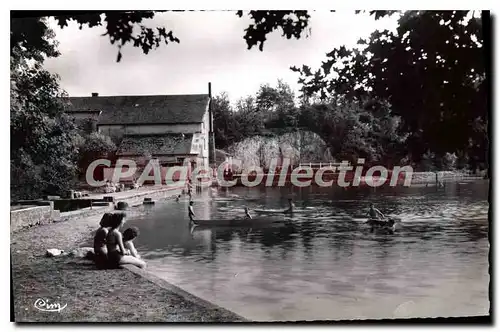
(92, 295)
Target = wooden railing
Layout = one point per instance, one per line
(319, 165)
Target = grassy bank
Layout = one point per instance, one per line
(92, 295)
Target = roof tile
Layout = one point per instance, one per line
(172, 144)
(161, 109)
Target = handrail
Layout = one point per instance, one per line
(320, 164)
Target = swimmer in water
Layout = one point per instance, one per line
(247, 214)
(375, 213)
(378, 219)
(191, 212)
(291, 206)
(178, 198)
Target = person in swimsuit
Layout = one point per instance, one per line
(191, 212)
(189, 188)
(378, 219)
(375, 213)
(291, 206)
(128, 237)
(100, 251)
(117, 254)
(247, 214)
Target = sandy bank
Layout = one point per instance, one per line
(92, 295)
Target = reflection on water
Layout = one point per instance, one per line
(324, 263)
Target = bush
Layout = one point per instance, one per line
(427, 163)
(93, 147)
(449, 162)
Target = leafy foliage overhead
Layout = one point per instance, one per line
(431, 71)
(291, 22)
(127, 27)
(120, 28)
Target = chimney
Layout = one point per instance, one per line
(95, 94)
(211, 120)
(211, 138)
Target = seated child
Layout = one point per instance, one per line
(118, 255)
(128, 236)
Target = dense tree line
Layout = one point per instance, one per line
(417, 95)
(431, 71)
(352, 130)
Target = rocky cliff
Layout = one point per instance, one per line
(300, 147)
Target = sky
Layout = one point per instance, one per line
(211, 49)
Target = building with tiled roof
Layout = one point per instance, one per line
(175, 129)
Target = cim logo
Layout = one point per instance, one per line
(45, 305)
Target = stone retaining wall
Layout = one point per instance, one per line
(29, 217)
(133, 200)
(44, 213)
(156, 195)
(83, 213)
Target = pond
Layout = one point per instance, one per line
(325, 264)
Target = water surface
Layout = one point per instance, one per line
(325, 263)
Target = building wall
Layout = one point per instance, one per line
(178, 175)
(121, 130)
(200, 132)
(204, 140)
(84, 115)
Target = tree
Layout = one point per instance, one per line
(277, 105)
(356, 130)
(291, 22)
(121, 28)
(224, 125)
(43, 139)
(431, 51)
(431, 71)
(93, 147)
(126, 27)
(250, 120)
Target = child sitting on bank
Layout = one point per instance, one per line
(117, 254)
(128, 236)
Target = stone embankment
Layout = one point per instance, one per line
(87, 294)
(35, 213)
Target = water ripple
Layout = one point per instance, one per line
(324, 263)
